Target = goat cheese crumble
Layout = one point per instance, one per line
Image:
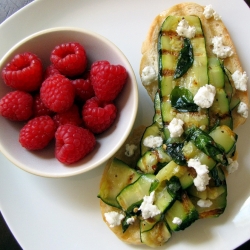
(240, 80)
(147, 208)
(130, 149)
(204, 97)
(243, 109)
(130, 220)
(209, 12)
(219, 49)
(204, 203)
(202, 178)
(148, 75)
(232, 166)
(153, 141)
(114, 218)
(183, 29)
(177, 220)
(176, 127)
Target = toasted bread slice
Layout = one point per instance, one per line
(211, 28)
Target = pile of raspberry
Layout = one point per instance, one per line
(68, 101)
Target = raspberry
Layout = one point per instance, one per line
(69, 58)
(37, 133)
(16, 105)
(84, 89)
(97, 115)
(57, 93)
(50, 71)
(24, 72)
(39, 107)
(107, 80)
(70, 116)
(73, 143)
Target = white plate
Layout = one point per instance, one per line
(64, 213)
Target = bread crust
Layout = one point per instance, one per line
(211, 28)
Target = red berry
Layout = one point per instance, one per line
(37, 133)
(57, 93)
(16, 105)
(84, 89)
(50, 71)
(24, 72)
(107, 80)
(39, 107)
(69, 58)
(97, 115)
(71, 116)
(73, 143)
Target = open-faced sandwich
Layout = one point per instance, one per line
(173, 172)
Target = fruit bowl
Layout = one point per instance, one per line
(43, 162)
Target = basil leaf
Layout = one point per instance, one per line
(206, 144)
(182, 99)
(185, 59)
(217, 177)
(175, 151)
(174, 187)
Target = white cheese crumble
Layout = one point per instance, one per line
(114, 218)
(216, 16)
(219, 49)
(177, 220)
(130, 220)
(209, 12)
(153, 141)
(204, 97)
(183, 29)
(176, 127)
(240, 80)
(148, 75)
(147, 208)
(130, 149)
(202, 178)
(232, 166)
(243, 109)
(204, 203)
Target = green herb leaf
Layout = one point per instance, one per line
(175, 151)
(185, 59)
(206, 144)
(182, 99)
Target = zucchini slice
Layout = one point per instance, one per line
(191, 151)
(154, 130)
(157, 105)
(170, 170)
(225, 137)
(184, 210)
(157, 235)
(132, 195)
(170, 46)
(118, 176)
(206, 144)
(220, 111)
(148, 163)
(216, 193)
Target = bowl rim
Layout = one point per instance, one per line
(104, 159)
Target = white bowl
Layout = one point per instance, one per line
(44, 163)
